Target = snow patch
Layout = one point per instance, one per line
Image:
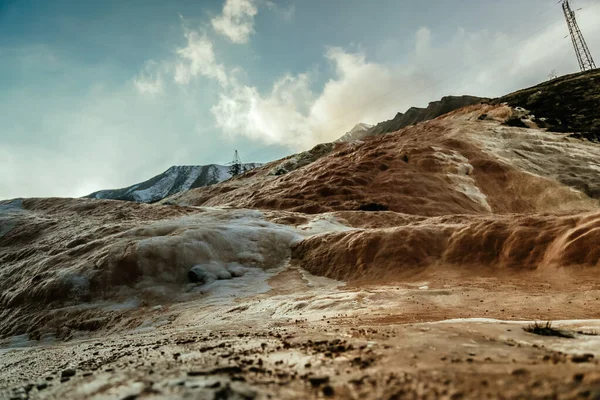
(459, 173)
(162, 188)
(358, 130)
(221, 172)
(324, 223)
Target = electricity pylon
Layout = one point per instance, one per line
(584, 57)
(236, 167)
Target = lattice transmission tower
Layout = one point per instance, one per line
(236, 167)
(584, 57)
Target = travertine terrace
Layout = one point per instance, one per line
(402, 265)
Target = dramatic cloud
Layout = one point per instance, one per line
(480, 63)
(293, 115)
(237, 20)
(275, 118)
(296, 114)
(198, 58)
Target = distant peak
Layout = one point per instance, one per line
(361, 126)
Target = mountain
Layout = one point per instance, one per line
(174, 180)
(357, 132)
(413, 116)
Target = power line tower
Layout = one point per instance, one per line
(584, 57)
(236, 167)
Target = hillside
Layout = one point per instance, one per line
(565, 104)
(456, 164)
(174, 180)
(407, 265)
(413, 116)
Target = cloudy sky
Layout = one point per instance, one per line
(104, 94)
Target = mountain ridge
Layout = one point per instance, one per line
(413, 116)
(177, 178)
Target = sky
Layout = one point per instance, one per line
(104, 94)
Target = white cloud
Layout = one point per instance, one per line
(198, 58)
(275, 118)
(481, 63)
(150, 80)
(291, 114)
(285, 11)
(237, 20)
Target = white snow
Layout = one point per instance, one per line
(222, 172)
(324, 223)
(358, 128)
(459, 173)
(163, 186)
(186, 175)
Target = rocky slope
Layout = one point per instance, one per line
(565, 104)
(413, 116)
(174, 180)
(456, 164)
(406, 265)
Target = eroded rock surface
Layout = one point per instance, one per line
(403, 265)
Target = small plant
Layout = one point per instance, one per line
(547, 330)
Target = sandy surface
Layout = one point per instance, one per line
(309, 337)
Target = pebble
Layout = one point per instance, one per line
(68, 373)
(328, 391)
(582, 358)
(317, 381)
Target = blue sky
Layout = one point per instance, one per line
(97, 95)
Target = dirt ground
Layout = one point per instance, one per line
(311, 337)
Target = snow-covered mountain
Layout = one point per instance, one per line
(174, 180)
(357, 132)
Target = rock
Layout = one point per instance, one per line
(373, 207)
(328, 391)
(582, 358)
(194, 277)
(237, 392)
(317, 381)
(67, 373)
(415, 115)
(520, 372)
(215, 371)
